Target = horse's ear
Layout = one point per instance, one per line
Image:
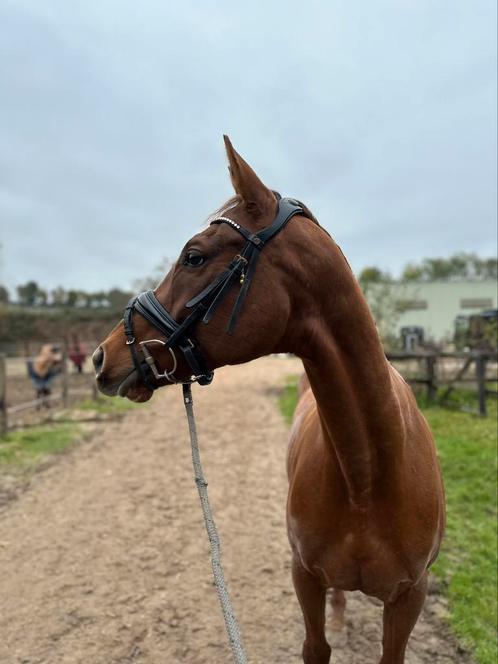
(245, 181)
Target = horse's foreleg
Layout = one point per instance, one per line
(311, 595)
(47, 394)
(400, 617)
(338, 603)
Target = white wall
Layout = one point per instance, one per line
(444, 304)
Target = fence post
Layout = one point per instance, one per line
(481, 383)
(3, 396)
(431, 381)
(65, 376)
(95, 392)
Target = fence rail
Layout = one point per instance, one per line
(62, 395)
(431, 380)
(481, 360)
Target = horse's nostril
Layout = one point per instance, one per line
(98, 359)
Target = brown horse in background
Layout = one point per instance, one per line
(365, 506)
(43, 369)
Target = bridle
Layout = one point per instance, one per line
(179, 336)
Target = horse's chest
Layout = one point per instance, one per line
(352, 561)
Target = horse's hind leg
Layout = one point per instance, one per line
(338, 603)
(311, 595)
(400, 617)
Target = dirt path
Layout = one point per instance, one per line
(104, 560)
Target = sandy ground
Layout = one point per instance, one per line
(104, 559)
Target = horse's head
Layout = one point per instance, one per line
(224, 333)
(47, 359)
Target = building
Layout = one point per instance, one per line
(434, 306)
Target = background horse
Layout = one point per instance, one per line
(365, 506)
(43, 369)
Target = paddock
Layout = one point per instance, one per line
(105, 556)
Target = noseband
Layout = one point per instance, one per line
(179, 335)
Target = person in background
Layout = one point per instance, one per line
(77, 355)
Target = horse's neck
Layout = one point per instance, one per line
(41, 366)
(351, 380)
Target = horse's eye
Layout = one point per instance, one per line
(194, 259)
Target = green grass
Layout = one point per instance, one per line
(468, 562)
(28, 447)
(108, 405)
(25, 449)
(288, 398)
(467, 566)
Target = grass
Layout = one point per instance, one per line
(288, 398)
(467, 566)
(107, 405)
(28, 447)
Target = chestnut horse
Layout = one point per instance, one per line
(366, 505)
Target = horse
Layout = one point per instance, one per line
(365, 508)
(43, 369)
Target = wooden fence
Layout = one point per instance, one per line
(433, 380)
(61, 396)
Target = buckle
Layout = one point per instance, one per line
(256, 241)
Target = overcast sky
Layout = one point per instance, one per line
(381, 116)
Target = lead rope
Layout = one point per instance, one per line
(231, 624)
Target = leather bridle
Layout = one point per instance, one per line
(204, 305)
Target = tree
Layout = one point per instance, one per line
(99, 299)
(58, 296)
(412, 272)
(490, 268)
(42, 298)
(383, 300)
(71, 298)
(377, 288)
(4, 295)
(30, 294)
(459, 266)
(118, 299)
(373, 275)
(146, 283)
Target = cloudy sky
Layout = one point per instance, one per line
(381, 116)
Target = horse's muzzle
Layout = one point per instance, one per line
(108, 386)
